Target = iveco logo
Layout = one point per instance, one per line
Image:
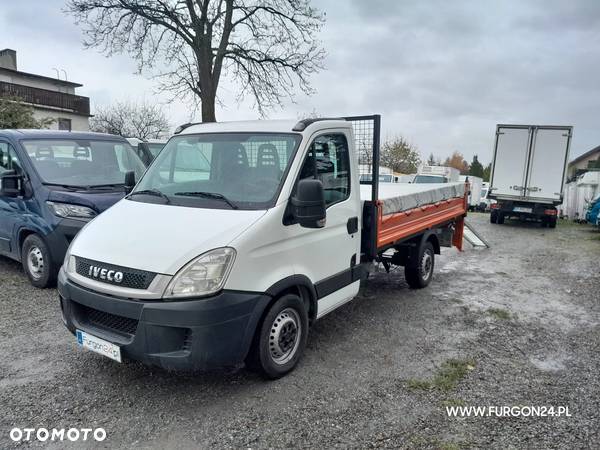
(105, 274)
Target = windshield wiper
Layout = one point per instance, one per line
(154, 192)
(108, 185)
(72, 187)
(214, 195)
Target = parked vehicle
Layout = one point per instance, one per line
(475, 184)
(51, 184)
(147, 150)
(528, 172)
(578, 194)
(484, 205)
(436, 174)
(250, 232)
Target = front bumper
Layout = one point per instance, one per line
(194, 334)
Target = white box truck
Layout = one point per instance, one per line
(475, 192)
(436, 174)
(528, 172)
(248, 233)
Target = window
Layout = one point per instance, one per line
(82, 162)
(9, 159)
(328, 160)
(246, 168)
(64, 124)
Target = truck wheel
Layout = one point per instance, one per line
(552, 222)
(420, 276)
(493, 217)
(37, 262)
(500, 219)
(281, 339)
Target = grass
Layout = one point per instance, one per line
(499, 313)
(447, 377)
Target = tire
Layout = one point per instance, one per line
(552, 222)
(420, 276)
(493, 217)
(37, 262)
(500, 219)
(281, 338)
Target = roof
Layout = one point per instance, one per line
(58, 134)
(40, 77)
(258, 126)
(586, 155)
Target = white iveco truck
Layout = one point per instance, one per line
(239, 235)
(528, 172)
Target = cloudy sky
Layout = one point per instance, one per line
(441, 73)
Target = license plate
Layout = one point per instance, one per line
(98, 345)
(521, 209)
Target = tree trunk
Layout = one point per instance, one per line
(208, 108)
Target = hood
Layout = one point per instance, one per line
(158, 238)
(97, 200)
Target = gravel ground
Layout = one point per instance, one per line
(521, 321)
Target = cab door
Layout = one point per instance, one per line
(327, 255)
(10, 207)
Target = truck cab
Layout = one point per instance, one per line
(248, 232)
(52, 183)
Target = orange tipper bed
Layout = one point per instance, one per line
(405, 210)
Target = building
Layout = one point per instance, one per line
(580, 164)
(49, 97)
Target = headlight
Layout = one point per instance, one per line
(71, 211)
(69, 262)
(204, 275)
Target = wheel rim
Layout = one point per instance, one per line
(35, 262)
(426, 264)
(284, 337)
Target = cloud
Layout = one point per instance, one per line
(440, 73)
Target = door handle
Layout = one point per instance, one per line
(352, 225)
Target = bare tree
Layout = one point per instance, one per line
(266, 46)
(140, 120)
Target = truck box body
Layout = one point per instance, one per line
(529, 163)
(450, 174)
(475, 191)
(260, 229)
(529, 169)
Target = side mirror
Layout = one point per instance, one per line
(129, 181)
(11, 184)
(308, 205)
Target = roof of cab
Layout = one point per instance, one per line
(58, 134)
(258, 126)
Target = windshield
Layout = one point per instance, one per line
(225, 170)
(429, 179)
(78, 163)
(483, 192)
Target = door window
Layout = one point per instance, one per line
(328, 160)
(9, 159)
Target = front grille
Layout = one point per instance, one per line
(132, 278)
(107, 320)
